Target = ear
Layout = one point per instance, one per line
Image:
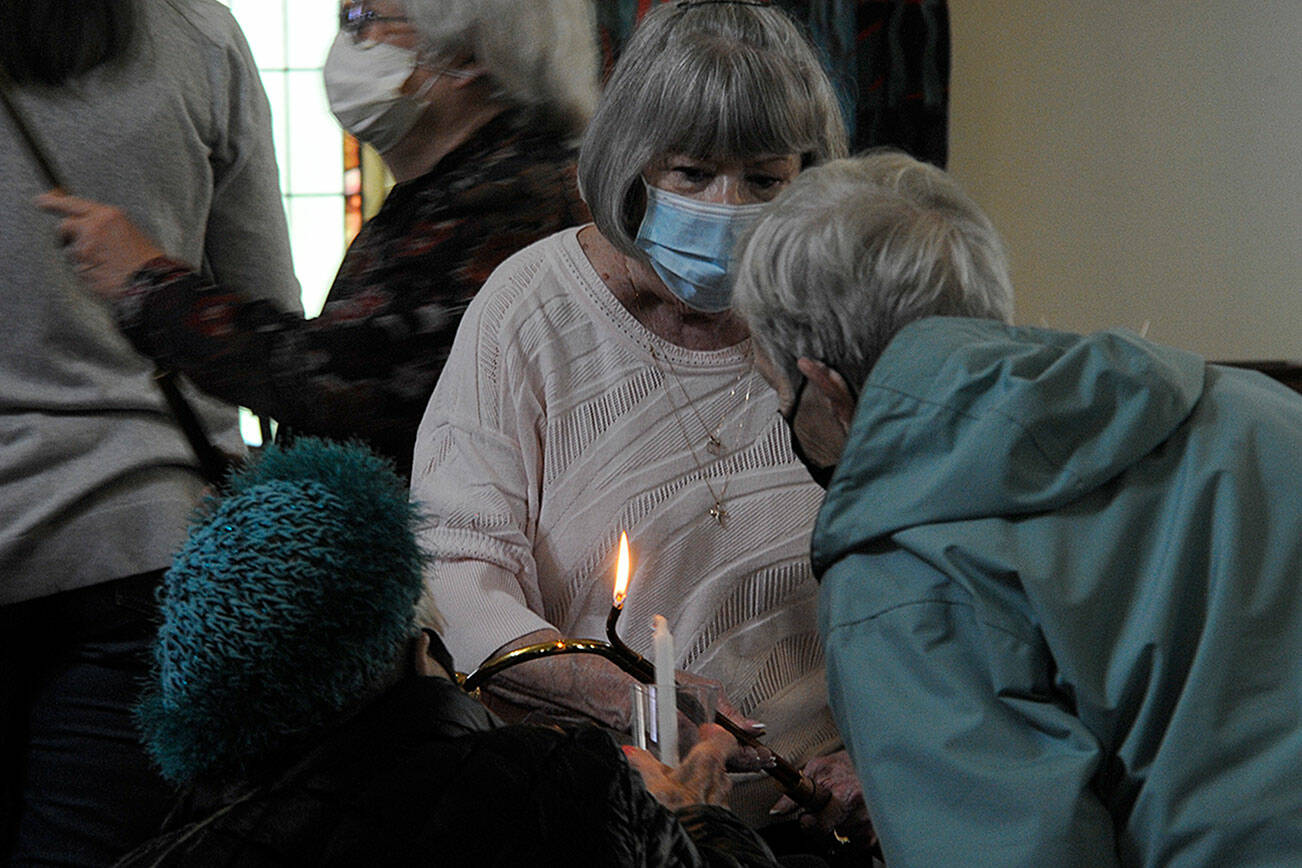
(464, 70)
(468, 75)
(422, 663)
(833, 387)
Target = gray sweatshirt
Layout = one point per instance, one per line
(96, 480)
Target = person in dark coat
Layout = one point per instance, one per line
(312, 723)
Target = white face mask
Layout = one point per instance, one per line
(364, 85)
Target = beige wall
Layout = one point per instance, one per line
(1143, 159)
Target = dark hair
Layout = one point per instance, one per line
(52, 41)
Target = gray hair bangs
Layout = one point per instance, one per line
(714, 82)
(853, 251)
(540, 55)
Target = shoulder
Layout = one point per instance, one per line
(204, 21)
(200, 41)
(515, 795)
(523, 770)
(511, 190)
(526, 285)
(552, 788)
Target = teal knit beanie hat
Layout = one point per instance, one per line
(291, 601)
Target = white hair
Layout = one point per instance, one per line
(710, 80)
(853, 251)
(538, 54)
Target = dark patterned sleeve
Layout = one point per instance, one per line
(217, 338)
(366, 366)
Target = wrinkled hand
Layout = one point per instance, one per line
(741, 758)
(102, 244)
(845, 812)
(699, 780)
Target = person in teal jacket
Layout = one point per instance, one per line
(1061, 593)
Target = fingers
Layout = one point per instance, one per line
(751, 726)
(845, 812)
(716, 737)
(100, 242)
(647, 765)
(836, 773)
(702, 771)
(725, 707)
(739, 756)
(825, 818)
(58, 202)
(712, 748)
(750, 758)
(832, 814)
(784, 805)
(659, 780)
(839, 799)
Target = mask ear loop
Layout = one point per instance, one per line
(436, 70)
(426, 86)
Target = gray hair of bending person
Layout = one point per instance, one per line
(853, 251)
(712, 81)
(538, 54)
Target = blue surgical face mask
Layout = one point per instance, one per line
(690, 245)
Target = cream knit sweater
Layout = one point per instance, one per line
(554, 427)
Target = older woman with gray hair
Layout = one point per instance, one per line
(602, 383)
(861, 249)
(1059, 572)
(476, 106)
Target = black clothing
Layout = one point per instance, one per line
(75, 786)
(426, 774)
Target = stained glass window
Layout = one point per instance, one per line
(289, 40)
(320, 186)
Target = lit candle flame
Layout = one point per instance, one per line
(621, 572)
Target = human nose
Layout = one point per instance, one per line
(729, 188)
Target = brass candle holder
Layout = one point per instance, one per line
(794, 783)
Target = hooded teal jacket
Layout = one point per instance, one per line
(1061, 602)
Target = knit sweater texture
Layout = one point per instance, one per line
(560, 421)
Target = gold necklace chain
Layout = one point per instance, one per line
(715, 443)
(713, 436)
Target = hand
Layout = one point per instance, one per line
(699, 780)
(102, 244)
(741, 757)
(845, 812)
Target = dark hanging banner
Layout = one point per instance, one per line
(889, 61)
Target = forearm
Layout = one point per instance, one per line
(568, 684)
(322, 376)
(222, 342)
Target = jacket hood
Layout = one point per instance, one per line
(967, 418)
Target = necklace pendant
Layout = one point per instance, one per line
(715, 446)
(718, 513)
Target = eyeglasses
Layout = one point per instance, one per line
(356, 15)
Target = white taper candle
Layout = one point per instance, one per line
(666, 691)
